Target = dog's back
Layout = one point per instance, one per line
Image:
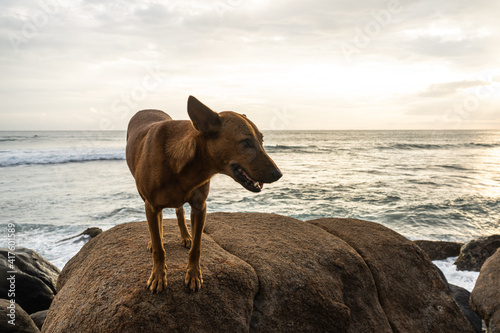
(138, 128)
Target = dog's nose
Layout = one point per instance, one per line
(276, 174)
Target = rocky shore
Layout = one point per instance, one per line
(266, 273)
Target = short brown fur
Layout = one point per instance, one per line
(173, 161)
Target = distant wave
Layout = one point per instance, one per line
(13, 138)
(309, 149)
(58, 156)
(318, 149)
(422, 146)
(453, 166)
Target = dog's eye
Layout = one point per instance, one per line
(248, 143)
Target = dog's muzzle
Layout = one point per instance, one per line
(245, 180)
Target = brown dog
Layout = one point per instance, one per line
(172, 162)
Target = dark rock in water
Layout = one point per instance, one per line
(13, 319)
(262, 273)
(35, 279)
(462, 297)
(474, 253)
(39, 318)
(485, 297)
(91, 232)
(439, 250)
(412, 293)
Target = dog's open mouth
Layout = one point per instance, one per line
(245, 180)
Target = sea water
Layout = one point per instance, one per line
(436, 185)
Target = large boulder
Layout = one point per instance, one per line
(439, 250)
(485, 297)
(35, 279)
(474, 253)
(407, 281)
(13, 319)
(309, 281)
(103, 288)
(262, 273)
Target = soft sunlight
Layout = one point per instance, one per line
(403, 62)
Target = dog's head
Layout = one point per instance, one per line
(235, 145)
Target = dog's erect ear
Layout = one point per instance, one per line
(204, 119)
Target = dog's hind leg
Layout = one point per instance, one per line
(185, 235)
(194, 278)
(158, 279)
(181, 220)
(198, 205)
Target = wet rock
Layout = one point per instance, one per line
(439, 250)
(35, 279)
(474, 253)
(462, 297)
(91, 232)
(39, 318)
(13, 319)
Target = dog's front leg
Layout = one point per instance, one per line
(158, 279)
(194, 279)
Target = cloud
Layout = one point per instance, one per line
(65, 58)
(451, 88)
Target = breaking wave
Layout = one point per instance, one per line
(58, 156)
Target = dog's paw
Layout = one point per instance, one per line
(157, 281)
(186, 242)
(193, 279)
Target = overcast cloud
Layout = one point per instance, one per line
(321, 64)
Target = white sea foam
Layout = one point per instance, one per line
(464, 279)
(48, 241)
(56, 156)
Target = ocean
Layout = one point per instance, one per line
(436, 185)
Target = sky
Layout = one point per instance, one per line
(287, 65)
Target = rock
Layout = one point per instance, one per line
(308, 280)
(407, 281)
(485, 297)
(20, 321)
(103, 288)
(35, 279)
(262, 273)
(439, 250)
(39, 318)
(91, 232)
(474, 253)
(462, 296)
